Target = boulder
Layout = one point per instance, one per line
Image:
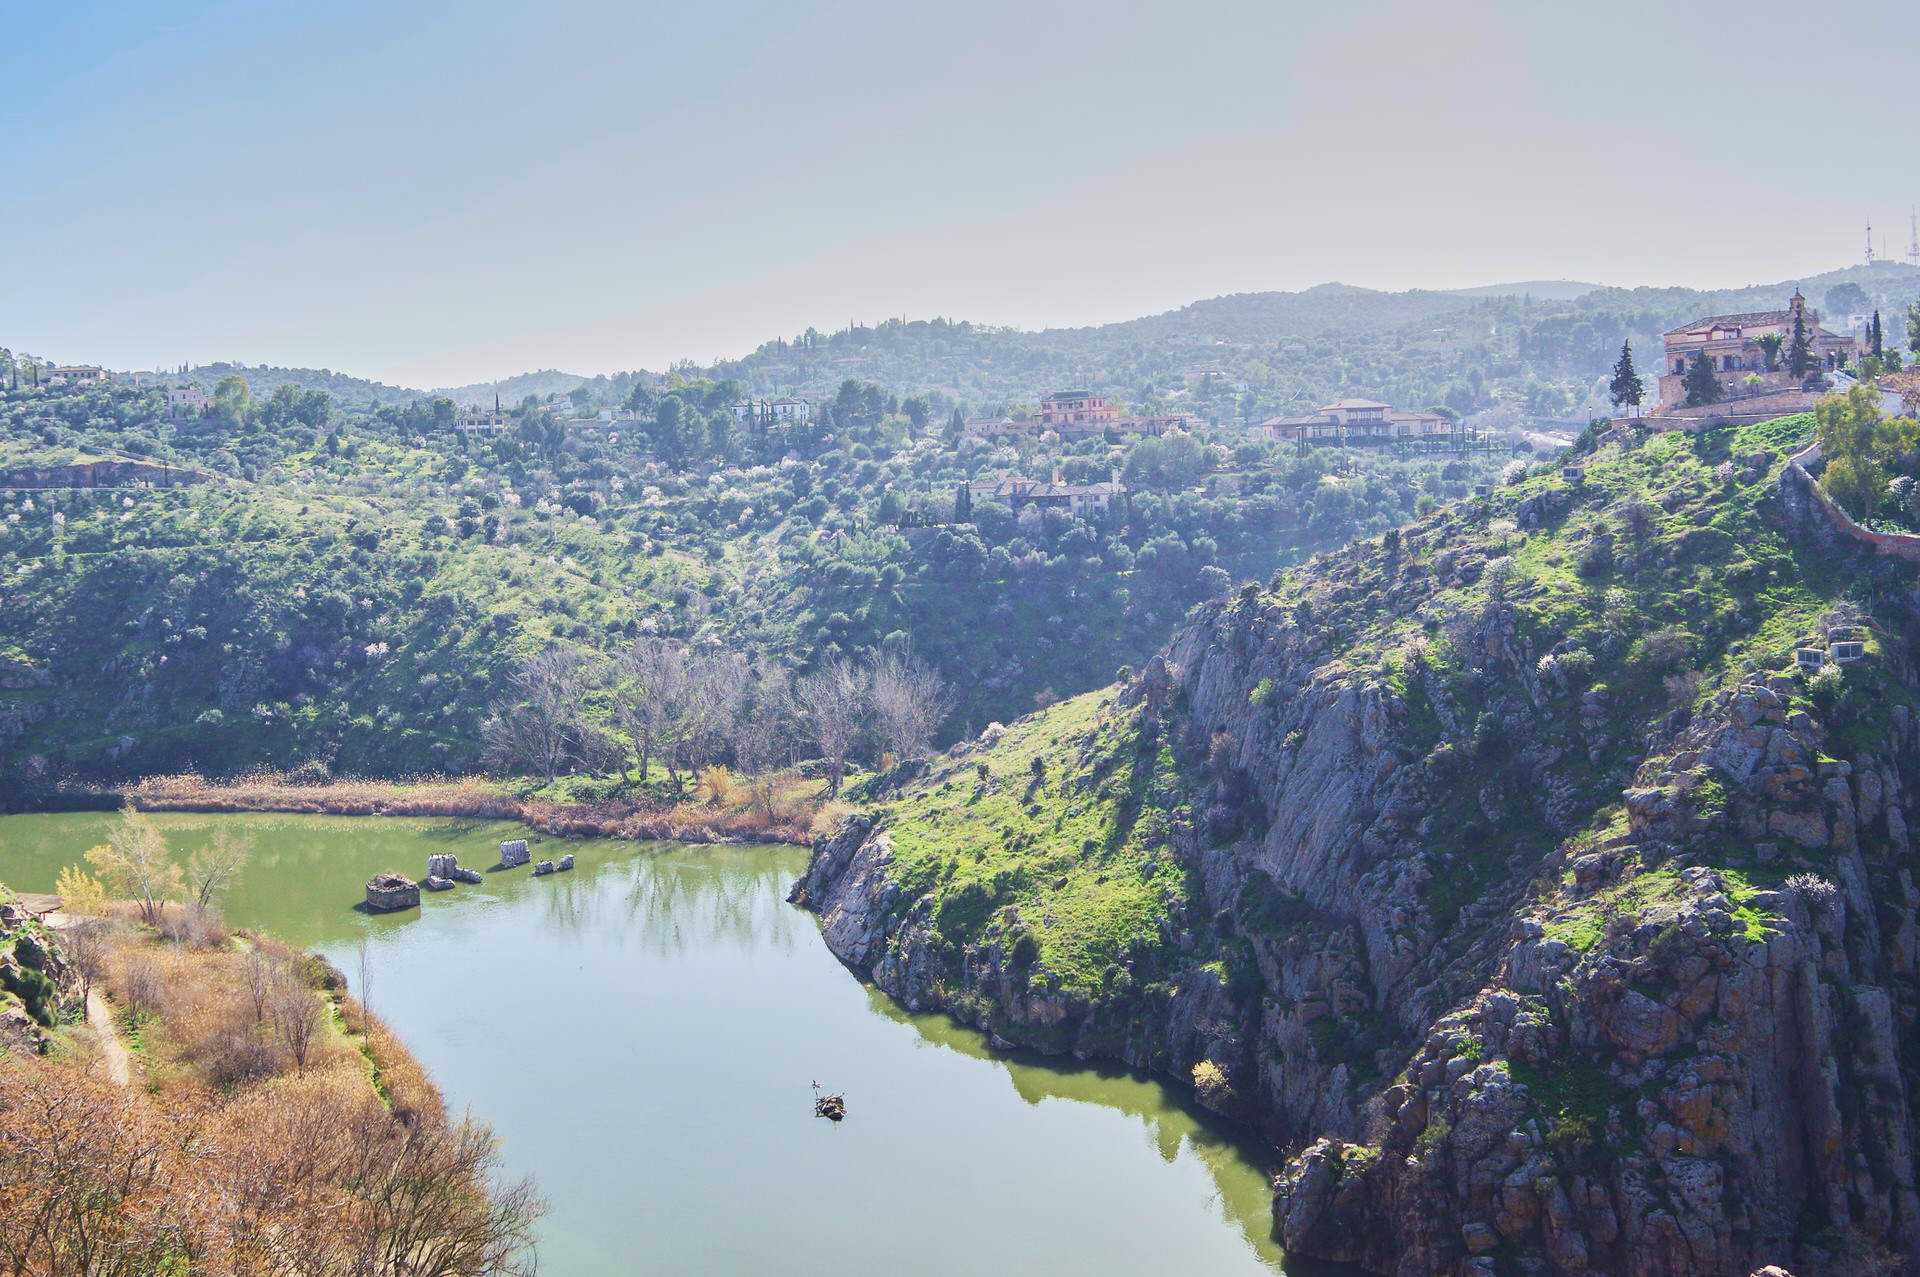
(434, 882)
(389, 891)
(464, 875)
(566, 861)
(543, 868)
(514, 853)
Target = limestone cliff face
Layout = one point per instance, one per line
(1574, 947)
(38, 986)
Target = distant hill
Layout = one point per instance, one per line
(548, 381)
(262, 379)
(1551, 290)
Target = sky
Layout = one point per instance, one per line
(435, 192)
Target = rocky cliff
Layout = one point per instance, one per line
(1516, 873)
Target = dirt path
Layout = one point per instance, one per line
(100, 1019)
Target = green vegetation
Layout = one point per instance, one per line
(355, 590)
(1064, 864)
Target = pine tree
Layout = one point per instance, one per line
(1799, 350)
(1627, 389)
(1703, 387)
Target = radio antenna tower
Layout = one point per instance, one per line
(1913, 245)
(1869, 241)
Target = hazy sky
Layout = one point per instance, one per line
(440, 191)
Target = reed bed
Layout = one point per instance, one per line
(793, 816)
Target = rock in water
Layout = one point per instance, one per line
(390, 891)
(566, 861)
(514, 853)
(543, 868)
(464, 875)
(434, 882)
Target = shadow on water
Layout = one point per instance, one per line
(1173, 1120)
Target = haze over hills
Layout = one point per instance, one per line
(984, 367)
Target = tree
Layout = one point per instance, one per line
(677, 705)
(135, 863)
(1876, 345)
(1770, 344)
(1913, 328)
(963, 503)
(1627, 389)
(917, 410)
(233, 404)
(1854, 434)
(1800, 349)
(538, 727)
(834, 704)
(294, 1009)
(213, 869)
(910, 701)
(957, 424)
(1703, 387)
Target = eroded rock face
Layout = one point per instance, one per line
(1549, 980)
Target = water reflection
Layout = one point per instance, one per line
(642, 1032)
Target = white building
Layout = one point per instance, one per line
(187, 401)
(484, 424)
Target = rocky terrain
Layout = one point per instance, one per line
(1512, 874)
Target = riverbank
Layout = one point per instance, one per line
(794, 815)
(196, 1097)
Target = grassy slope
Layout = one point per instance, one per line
(1071, 860)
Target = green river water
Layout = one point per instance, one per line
(643, 1033)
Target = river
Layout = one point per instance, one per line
(643, 1034)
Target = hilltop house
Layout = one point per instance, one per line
(483, 424)
(1357, 421)
(76, 375)
(1077, 408)
(767, 412)
(1075, 498)
(1734, 348)
(187, 401)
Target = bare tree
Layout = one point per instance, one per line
(87, 947)
(763, 731)
(834, 705)
(295, 1011)
(910, 701)
(262, 971)
(538, 726)
(214, 868)
(677, 705)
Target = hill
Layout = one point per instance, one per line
(1511, 869)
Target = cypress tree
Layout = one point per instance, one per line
(1627, 388)
(956, 424)
(963, 502)
(1875, 344)
(1799, 350)
(1703, 387)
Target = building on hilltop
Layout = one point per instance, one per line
(1749, 353)
(483, 424)
(1357, 421)
(770, 412)
(1077, 408)
(1016, 492)
(187, 401)
(77, 375)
